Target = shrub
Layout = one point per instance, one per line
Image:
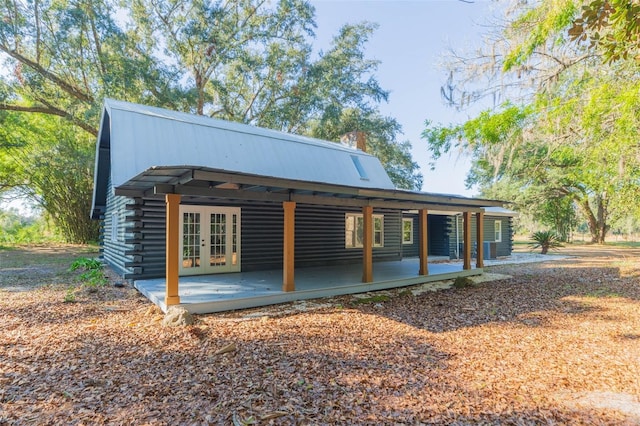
(545, 240)
(92, 276)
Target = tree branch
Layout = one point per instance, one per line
(50, 110)
(73, 91)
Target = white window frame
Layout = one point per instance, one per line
(410, 222)
(497, 231)
(351, 240)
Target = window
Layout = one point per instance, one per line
(497, 229)
(359, 168)
(354, 225)
(114, 227)
(407, 231)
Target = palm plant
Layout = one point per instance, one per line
(545, 240)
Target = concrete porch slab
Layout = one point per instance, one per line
(225, 292)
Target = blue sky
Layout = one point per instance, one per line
(410, 40)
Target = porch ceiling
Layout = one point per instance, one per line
(212, 183)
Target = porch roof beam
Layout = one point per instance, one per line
(203, 182)
(219, 193)
(385, 194)
(390, 204)
(161, 189)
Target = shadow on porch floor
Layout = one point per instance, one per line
(225, 292)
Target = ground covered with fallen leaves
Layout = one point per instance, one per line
(555, 343)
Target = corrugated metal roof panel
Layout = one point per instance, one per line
(500, 211)
(142, 137)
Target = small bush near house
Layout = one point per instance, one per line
(92, 275)
(545, 240)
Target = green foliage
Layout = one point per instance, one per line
(51, 162)
(86, 264)
(569, 152)
(92, 275)
(70, 295)
(483, 136)
(18, 229)
(545, 240)
(611, 27)
(241, 60)
(93, 278)
(540, 25)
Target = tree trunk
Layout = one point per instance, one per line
(597, 222)
(591, 218)
(603, 227)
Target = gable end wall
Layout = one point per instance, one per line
(114, 253)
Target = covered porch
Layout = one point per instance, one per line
(224, 292)
(221, 292)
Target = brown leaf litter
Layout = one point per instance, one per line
(550, 343)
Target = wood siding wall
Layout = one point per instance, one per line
(320, 236)
(503, 248)
(438, 230)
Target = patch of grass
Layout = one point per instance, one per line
(57, 256)
(379, 298)
(462, 282)
(603, 292)
(630, 244)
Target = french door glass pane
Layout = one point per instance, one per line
(234, 239)
(218, 243)
(191, 240)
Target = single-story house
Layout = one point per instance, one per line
(183, 196)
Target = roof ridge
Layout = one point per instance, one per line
(218, 123)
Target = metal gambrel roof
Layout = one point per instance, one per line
(143, 137)
(146, 150)
(134, 138)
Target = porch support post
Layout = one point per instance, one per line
(424, 242)
(172, 249)
(466, 238)
(480, 239)
(367, 244)
(288, 258)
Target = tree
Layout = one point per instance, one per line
(610, 26)
(65, 56)
(50, 161)
(250, 61)
(571, 135)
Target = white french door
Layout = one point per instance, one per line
(210, 240)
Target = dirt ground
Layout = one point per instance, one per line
(553, 343)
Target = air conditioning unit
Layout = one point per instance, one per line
(490, 249)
